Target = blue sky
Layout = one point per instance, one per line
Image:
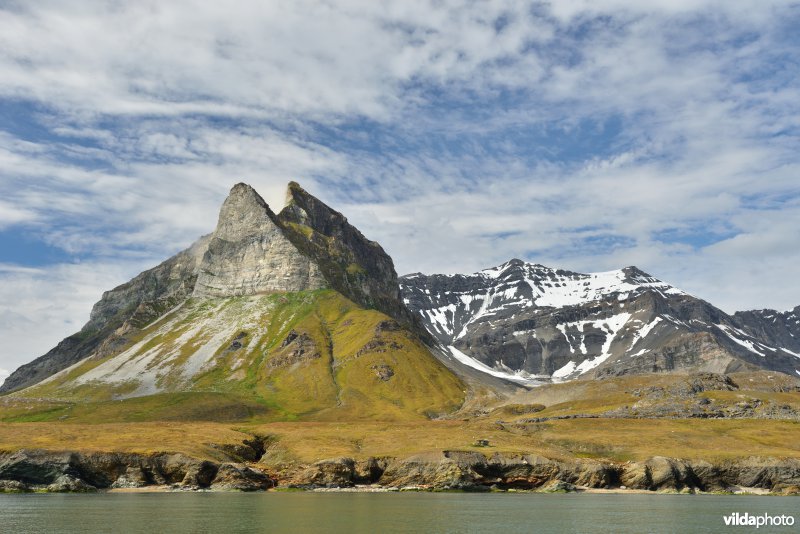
(582, 135)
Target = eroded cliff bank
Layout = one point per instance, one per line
(252, 469)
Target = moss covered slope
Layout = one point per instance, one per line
(311, 355)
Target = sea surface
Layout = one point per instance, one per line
(384, 512)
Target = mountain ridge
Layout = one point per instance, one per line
(528, 322)
(516, 324)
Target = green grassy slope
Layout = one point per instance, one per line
(284, 356)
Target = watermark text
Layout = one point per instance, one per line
(746, 519)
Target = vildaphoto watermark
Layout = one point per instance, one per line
(737, 519)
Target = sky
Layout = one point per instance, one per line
(585, 135)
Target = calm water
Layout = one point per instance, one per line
(377, 512)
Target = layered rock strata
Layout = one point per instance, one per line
(33, 470)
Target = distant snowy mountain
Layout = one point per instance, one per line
(528, 323)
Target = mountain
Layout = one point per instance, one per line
(288, 314)
(530, 324)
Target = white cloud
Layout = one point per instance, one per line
(10, 215)
(183, 57)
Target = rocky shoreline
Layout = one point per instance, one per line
(43, 471)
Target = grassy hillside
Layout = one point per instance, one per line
(307, 355)
(759, 394)
(196, 422)
(615, 439)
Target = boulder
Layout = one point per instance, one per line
(13, 486)
(36, 467)
(239, 477)
(329, 473)
(134, 477)
(591, 473)
(200, 475)
(68, 483)
(559, 486)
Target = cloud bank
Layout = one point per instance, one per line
(583, 135)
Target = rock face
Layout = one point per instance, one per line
(779, 329)
(35, 470)
(529, 323)
(351, 264)
(252, 251)
(249, 253)
(467, 470)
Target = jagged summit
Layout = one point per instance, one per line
(351, 264)
(243, 213)
(249, 252)
(308, 245)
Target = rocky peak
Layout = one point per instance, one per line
(249, 252)
(244, 213)
(304, 209)
(307, 246)
(514, 263)
(297, 202)
(634, 275)
(352, 264)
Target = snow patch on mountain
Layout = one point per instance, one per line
(527, 316)
(519, 377)
(796, 354)
(643, 332)
(439, 318)
(749, 345)
(557, 288)
(611, 327)
(519, 284)
(580, 289)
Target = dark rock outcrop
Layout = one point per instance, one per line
(28, 470)
(235, 477)
(295, 348)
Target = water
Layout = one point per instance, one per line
(385, 513)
